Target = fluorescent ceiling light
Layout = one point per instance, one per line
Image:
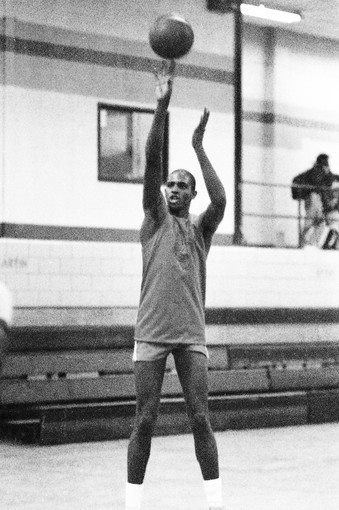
(260, 11)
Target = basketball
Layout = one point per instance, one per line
(171, 36)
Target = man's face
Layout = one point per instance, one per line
(326, 168)
(178, 192)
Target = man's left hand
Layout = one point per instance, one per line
(199, 131)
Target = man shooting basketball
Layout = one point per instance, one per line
(171, 311)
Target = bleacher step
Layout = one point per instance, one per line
(82, 422)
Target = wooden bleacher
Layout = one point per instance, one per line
(75, 383)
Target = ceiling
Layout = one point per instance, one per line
(319, 17)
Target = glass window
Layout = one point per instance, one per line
(122, 135)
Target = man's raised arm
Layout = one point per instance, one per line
(155, 141)
(215, 189)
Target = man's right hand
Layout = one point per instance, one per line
(164, 79)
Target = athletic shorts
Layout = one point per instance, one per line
(151, 351)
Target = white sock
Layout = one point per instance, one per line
(133, 496)
(213, 491)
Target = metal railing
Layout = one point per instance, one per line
(299, 217)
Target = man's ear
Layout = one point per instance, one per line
(194, 194)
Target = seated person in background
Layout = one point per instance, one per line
(6, 311)
(318, 187)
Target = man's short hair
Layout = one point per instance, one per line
(322, 159)
(189, 175)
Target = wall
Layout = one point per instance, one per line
(53, 87)
(85, 274)
(126, 19)
(295, 80)
(62, 58)
(54, 81)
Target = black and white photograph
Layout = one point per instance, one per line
(169, 269)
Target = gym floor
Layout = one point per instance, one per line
(290, 468)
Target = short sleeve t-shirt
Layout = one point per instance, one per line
(172, 300)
